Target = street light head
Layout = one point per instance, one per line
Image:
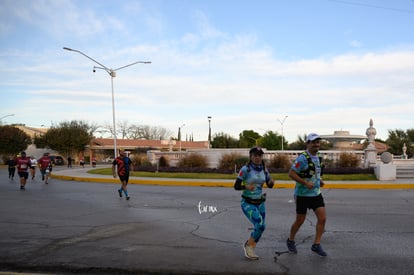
(112, 73)
(6, 116)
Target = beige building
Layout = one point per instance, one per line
(100, 148)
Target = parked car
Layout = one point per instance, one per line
(57, 160)
(108, 159)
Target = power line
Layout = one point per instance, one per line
(372, 6)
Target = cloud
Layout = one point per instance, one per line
(198, 71)
(355, 44)
(205, 29)
(61, 18)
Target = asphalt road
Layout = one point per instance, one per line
(69, 227)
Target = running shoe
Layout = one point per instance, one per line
(291, 245)
(249, 252)
(120, 193)
(317, 248)
(127, 198)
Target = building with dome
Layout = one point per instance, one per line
(343, 140)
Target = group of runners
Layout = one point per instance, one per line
(25, 164)
(307, 172)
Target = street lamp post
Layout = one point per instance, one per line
(281, 123)
(179, 134)
(1, 118)
(112, 74)
(209, 131)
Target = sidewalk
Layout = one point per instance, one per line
(81, 174)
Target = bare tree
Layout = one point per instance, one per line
(123, 129)
(135, 131)
(149, 132)
(106, 129)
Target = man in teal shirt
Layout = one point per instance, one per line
(306, 171)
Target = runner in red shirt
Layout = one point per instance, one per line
(44, 166)
(124, 165)
(23, 163)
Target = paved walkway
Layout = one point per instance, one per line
(81, 174)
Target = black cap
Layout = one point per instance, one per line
(256, 150)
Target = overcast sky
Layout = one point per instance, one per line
(326, 65)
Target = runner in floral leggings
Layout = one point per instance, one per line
(251, 178)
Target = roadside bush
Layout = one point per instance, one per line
(140, 160)
(5, 159)
(329, 163)
(193, 160)
(280, 161)
(348, 170)
(228, 161)
(348, 160)
(163, 162)
(172, 169)
(241, 161)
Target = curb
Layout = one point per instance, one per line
(228, 184)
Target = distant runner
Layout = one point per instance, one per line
(123, 164)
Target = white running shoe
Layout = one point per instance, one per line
(249, 252)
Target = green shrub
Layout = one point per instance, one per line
(329, 163)
(5, 159)
(140, 160)
(163, 162)
(228, 161)
(193, 160)
(348, 160)
(241, 161)
(280, 161)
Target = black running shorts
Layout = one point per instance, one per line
(124, 177)
(23, 174)
(304, 203)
